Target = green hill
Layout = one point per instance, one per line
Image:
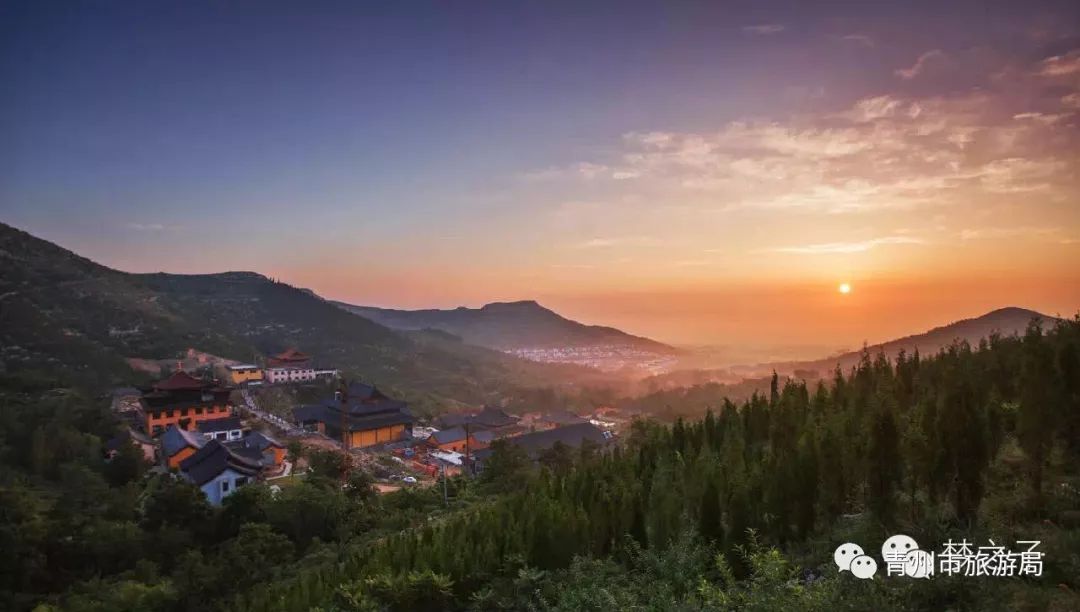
(64, 316)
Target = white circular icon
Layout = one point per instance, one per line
(845, 553)
(863, 567)
(897, 547)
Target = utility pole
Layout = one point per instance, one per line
(445, 499)
(467, 463)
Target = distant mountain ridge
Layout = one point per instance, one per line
(1005, 321)
(509, 326)
(64, 316)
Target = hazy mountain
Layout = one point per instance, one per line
(508, 326)
(1004, 321)
(65, 316)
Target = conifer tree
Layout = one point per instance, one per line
(710, 521)
(884, 467)
(1036, 417)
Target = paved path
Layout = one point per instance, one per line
(274, 420)
(287, 471)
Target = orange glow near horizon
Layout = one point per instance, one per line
(770, 200)
(806, 317)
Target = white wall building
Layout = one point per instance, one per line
(218, 471)
(280, 375)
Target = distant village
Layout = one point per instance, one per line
(606, 358)
(209, 429)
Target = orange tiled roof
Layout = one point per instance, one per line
(291, 354)
(178, 381)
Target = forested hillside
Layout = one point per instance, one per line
(65, 317)
(739, 510)
(1003, 321)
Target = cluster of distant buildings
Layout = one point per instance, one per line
(463, 442)
(289, 366)
(606, 358)
(189, 426)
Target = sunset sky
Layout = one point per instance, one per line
(696, 172)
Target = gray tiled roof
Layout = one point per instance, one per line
(261, 441)
(494, 417)
(484, 437)
(488, 418)
(539, 441)
(213, 459)
(563, 417)
(447, 436)
(228, 423)
(365, 407)
(175, 439)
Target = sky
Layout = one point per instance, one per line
(701, 173)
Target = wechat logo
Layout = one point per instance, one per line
(851, 558)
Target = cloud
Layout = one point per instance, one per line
(615, 241)
(1043, 118)
(591, 171)
(879, 107)
(861, 39)
(573, 266)
(985, 233)
(1017, 174)
(847, 247)
(920, 64)
(884, 152)
(765, 29)
(147, 227)
(1060, 65)
(582, 170)
(962, 149)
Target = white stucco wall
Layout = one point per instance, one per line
(212, 489)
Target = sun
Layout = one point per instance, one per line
(844, 288)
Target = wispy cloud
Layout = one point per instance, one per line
(893, 159)
(861, 39)
(148, 227)
(584, 170)
(847, 247)
(920, 64)
(1043, 118)
(1061, 65)
(880, 107)
(577, 266)
(1018, 175)
(615, 241)
(764, 29)
(883, 152)
(991, 233)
